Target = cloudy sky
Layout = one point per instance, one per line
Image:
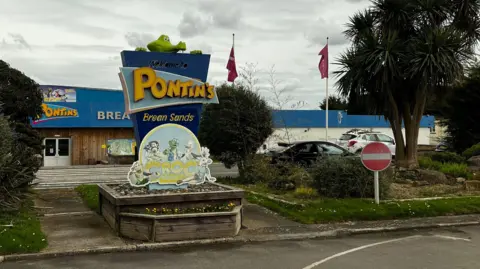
(78, 43)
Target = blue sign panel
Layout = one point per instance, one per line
(186, 115)
(187, 65)
(145, 89)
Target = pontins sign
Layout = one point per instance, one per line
(51, 112)
(145, 89)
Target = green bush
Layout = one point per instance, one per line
(284, 176)
(451, 169)
(472, 151)
(14, 177)
(456, 170)
(257, 169)
(446, 157)
(346, 177)
(427, 163)
(305, 193)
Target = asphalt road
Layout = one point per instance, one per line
(435, 249)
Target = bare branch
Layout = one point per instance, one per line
(249, 76)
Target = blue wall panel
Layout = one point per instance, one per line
(92, 101)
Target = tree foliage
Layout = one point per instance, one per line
(334, 103)
(461, 113)
(402, 52)
(235, 128)
(21, 145)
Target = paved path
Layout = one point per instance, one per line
(435, 249)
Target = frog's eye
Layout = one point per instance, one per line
(166, 39)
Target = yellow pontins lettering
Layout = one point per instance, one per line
(51, 112)
(144, 78)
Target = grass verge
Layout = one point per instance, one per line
(336, 210)
(89, 194)
(25, 235)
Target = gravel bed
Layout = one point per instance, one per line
(128, 190)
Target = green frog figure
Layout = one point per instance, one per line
(163, 44)
(172, 150)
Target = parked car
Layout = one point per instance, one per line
(355, 140)
(306, 152)
(442, 146)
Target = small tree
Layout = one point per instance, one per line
(281, 100)
(21, 101)
(249, 77)
(235, 128)
(334, 103)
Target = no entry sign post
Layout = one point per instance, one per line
(376, 157)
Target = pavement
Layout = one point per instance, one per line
(443, 248)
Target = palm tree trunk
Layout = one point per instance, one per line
(412, 128)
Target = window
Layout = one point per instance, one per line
(385, 138)
(306, 148)
(50, 147)
(347, 137)
(370, 137)
(331, 149)
(63, 147)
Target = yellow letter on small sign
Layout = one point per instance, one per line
(143, 78)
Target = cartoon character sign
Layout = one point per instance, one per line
(171, 155)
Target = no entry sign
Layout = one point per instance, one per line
(376, 156)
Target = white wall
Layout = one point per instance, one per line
(299, 134)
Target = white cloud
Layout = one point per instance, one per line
(79, 42)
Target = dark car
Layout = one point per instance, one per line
(306, 152)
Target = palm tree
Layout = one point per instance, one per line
(401, 52)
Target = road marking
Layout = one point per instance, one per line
(451, 237)
(313, 265)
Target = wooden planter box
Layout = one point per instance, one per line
(124, 215)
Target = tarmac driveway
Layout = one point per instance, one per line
(436, 249)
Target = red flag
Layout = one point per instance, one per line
(232, 67)
(323, 64)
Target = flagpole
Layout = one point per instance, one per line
(326, 102)
(233, 46)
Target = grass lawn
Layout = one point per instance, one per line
(89, 194)
(330, 210)
(320, 210)
(25, 236)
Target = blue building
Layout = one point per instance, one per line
(82, 125)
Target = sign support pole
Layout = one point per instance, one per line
(377, 187)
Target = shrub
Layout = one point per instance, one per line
(13, 175)
(346, 177)
(427, 163)
(257, 169)
(284, 176)
(305, 193)
(446, 157)
(455, 170)
(472, 151)
(451, 169)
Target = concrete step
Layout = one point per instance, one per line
(68, 171)
(73, 184)
(121, 173)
